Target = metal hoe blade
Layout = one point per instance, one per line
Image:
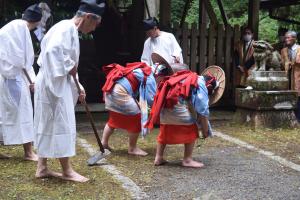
(97, 157)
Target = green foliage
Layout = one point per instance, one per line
(176, 10)
(237, 13)
(267, 28)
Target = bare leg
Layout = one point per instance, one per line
(133, 149)
(187, 159)
(42, 170)
(159, 157)
(28, 152)
(68, 173)
(107, 132)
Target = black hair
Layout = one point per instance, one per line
(210, 83)
(247, 28)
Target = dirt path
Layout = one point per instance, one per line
(231, 172)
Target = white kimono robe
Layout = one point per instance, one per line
(16, 54)
(165, 45)
(56, 93)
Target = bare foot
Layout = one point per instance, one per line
(31, 157)
(4, 156)
(137, 152)
(192, 163)
(74, 176)
(158, 162)
(46, 173)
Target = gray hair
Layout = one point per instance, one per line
(291, 33)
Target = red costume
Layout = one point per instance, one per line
(169, 91)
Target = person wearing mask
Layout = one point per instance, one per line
(243, 57)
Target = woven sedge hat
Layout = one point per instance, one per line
(219, 74)
(172, 67)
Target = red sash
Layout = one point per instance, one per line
(169, 91)
(115, 71)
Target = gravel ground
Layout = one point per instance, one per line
(230, 173)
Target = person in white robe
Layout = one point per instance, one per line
(56, 93)
(160, 42)
(2, 155)
(17, 55)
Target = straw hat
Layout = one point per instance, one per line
(219, 74)
(172, 67)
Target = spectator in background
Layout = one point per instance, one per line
(291, 60)
(243, 57)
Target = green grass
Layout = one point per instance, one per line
(284, 142)
(18, 182)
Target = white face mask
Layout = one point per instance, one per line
(247, 38)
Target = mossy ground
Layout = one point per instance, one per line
(284, 142)
(18, 182)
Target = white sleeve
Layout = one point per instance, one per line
(59, 63)
(177, 51)
(146, 56)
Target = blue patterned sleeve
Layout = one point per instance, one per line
(150, 85)
(200, 98)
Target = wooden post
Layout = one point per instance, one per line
(193, 48)
(227, 61)
(220, 45)
(185, 41)
(137, 36)
(236, 38)
(253, 16)
(165, 14)
(211, 45)
(210, 11)
(202, 13)
(202, 46)
(177, 32)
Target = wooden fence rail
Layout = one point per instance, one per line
(210, 45)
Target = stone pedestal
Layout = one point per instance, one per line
(269, 104)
